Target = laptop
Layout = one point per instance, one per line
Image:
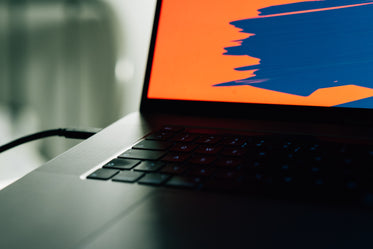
(253, 103)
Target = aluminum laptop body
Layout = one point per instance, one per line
(246, 67)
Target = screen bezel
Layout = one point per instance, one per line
(291, 113)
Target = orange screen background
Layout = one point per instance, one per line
(189, 60)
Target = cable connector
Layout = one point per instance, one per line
(67, 133)
(79, 133)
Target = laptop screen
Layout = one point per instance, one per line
(284, 52)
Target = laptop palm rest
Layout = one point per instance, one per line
(170, 219)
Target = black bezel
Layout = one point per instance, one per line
(357, 116)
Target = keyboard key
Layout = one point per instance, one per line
(228, 162)
(287, 180)
(149, 166)
(154, 178)
(235, 152)
(185, 137)
(128, 176)
(351, 185)
(176, 157)
(234, 141)
(122, 164)
(202, 159)
(183, 182)
(183, 147)
(160, 136)
(152, 145)
(174, 169)
(103, 174)
(208, 149)
(143, 154)
(210, 139)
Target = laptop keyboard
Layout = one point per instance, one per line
(295, 166)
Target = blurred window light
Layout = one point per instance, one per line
(124, 71)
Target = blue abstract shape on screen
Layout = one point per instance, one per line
(366, 103)
(300, 53)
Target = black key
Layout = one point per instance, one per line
(210, 139)
(128, 176)
(202, 159)
(143, 154)
(185, 137)
(208, 149)
(234, 141)
(122, 164)
(183, 147)
(154, 178)
(176, 157)
(174, 169)
(160, 136)
(103, 174)
(228, 162)
(235, 152)
(149, 166)
(183, 182)
(260, 178)
(351, 185)
(286, 180)
(152, 145)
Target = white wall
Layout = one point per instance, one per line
(68, 65)
(135, 20)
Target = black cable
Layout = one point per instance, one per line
(67, 133)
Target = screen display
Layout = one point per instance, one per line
(287, 52)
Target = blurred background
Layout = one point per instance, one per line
(67, 63)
